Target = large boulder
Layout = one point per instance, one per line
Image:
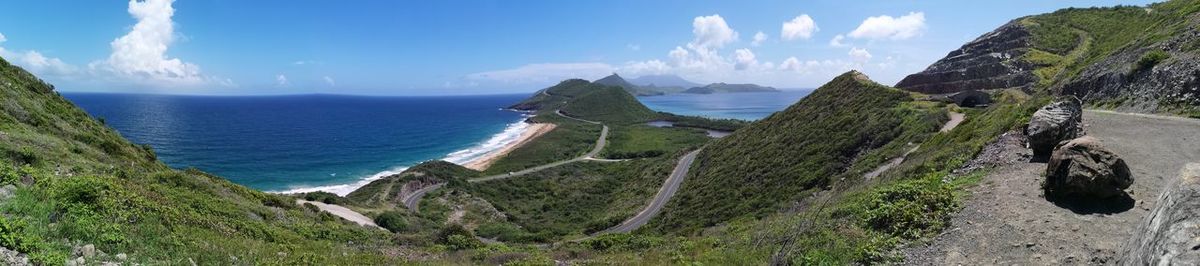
(1083, 167)
(1170, 234)
(1054, 123)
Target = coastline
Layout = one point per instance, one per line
(476, 157)
(533, 131)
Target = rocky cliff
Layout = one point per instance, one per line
(991, 61)
(1138, 59)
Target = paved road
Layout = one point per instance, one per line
(559, 112)
(664, 195)
(412, 202)
(339, 211)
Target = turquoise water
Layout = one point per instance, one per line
(745, 106)
(302, 143)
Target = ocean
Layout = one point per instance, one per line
(308, 142)
(338, 143)
(744, 106)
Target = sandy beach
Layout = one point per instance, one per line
(535, 130)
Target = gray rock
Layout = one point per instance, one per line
(1084, 167)
(1170, 234)
(12, 257)
(1054, 123)
(7, 192)
(122, 256)
(87, 251)
(992, 61)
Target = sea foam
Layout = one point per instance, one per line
(512, 133)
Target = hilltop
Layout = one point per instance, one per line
(588, 100)
(637, 90)
(1128, 58)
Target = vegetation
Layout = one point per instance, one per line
(1150, 59)
(806, 146)
(704, 122)
(640, 141)
(79, 181)
(573, 199)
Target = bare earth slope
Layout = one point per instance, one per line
(1006, 220)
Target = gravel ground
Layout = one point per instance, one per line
(1007, 221)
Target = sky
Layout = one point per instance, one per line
(458, 47)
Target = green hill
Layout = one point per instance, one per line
(589, 101)
(649, 90)
(806, 146)
(75, 180)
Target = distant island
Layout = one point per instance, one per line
(653, 85)
(729, 88)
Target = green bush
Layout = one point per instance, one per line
(910, 209)
(623, 242)
(1151, 58)
(324, 197)
(394, 221)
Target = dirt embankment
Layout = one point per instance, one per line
(1007, 221)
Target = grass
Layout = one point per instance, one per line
(640, 141)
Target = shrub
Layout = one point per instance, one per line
(623, 241)
(911, 208)
(324, 197)
(1150, 59)
(457, 237)
(394, 221)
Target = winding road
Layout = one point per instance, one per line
(591, 155)
(664, 194)
(413, 200)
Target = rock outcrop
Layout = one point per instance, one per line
(992, 61)
(1170, 234)
(1054, 123)
(1083, 167)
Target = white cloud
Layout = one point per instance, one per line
(759, 38)
(837, 41)
(140, 55)
(545, 73)
(712, 32)
(801, 27)
(859, 55)
(744, 59)
(887, 27)
(791, 64)
(37, 63)
(330, 81)
(281, 80)
(634, 47)
(305, 62)
(640, 68)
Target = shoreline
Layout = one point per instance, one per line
(533, 131)
(477, 157)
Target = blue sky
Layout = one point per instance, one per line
(480, 47)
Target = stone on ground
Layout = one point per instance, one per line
(1054, 123)
(1084, 167)
(1170, 234)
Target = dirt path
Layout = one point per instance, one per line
(955, 119)
(339, 211)
(1006, 220)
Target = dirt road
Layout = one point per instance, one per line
(339, 211)
(1007, 221)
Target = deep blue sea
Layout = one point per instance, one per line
(745, 106)
(307, 142)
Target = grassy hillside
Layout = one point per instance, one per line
(609, 105)
(806, 146)
(75, 180)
